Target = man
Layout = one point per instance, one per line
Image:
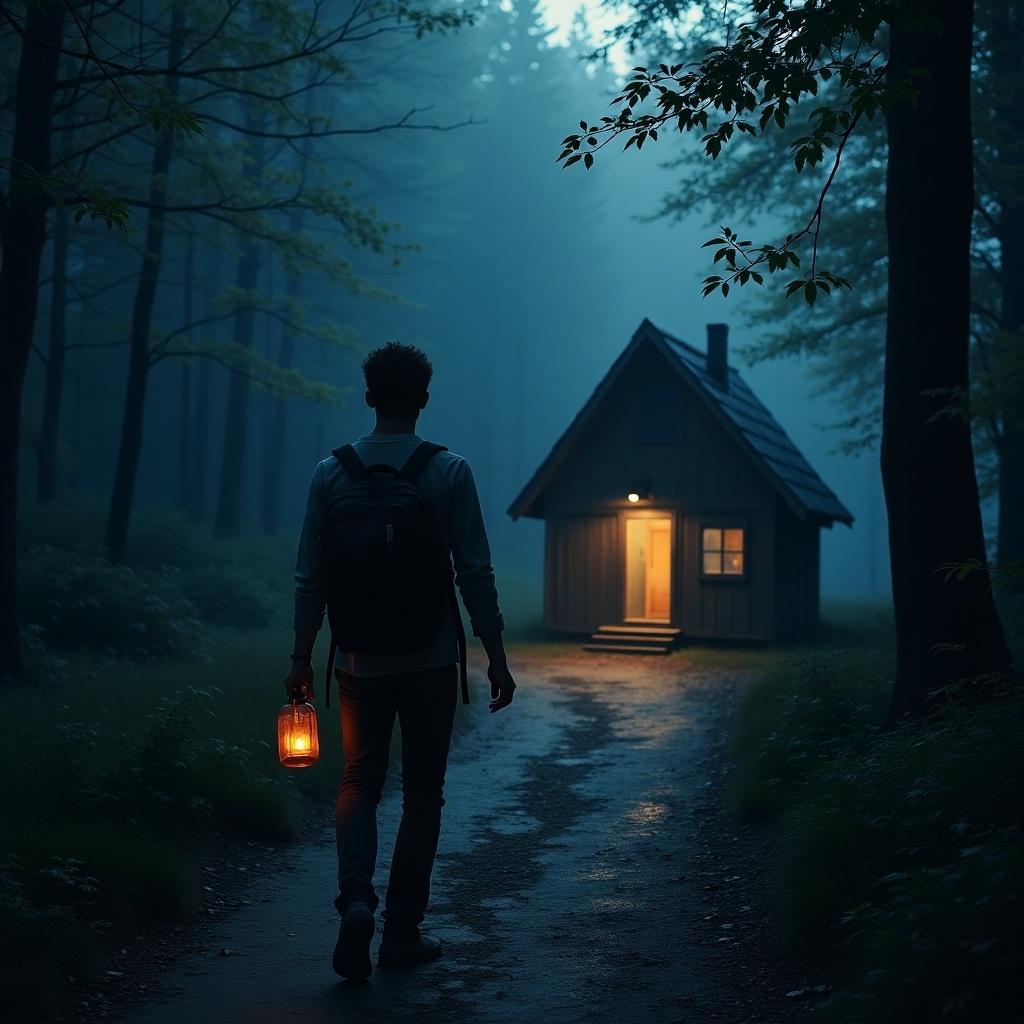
(378, 681)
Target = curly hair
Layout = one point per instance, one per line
(397, 376)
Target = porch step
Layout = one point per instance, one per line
(627, 648)
(634, 639)
(668, 632)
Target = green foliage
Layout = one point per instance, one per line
(230, 596)
(945, 944)
(42, 949)
(82, 600)
(178, 586)
(113, 775)
(803, 712)
(901, 864)
(778, 58)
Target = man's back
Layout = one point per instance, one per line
(447, 483)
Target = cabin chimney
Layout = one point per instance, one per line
(718, 354)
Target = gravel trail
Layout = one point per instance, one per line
(568, 881)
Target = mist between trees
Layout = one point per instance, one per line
(220, 209)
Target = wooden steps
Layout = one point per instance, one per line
(634, 639)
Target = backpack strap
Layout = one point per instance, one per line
(350, 462)
(460, 633)
(416, 462)
(329, 676)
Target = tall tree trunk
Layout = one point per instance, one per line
(200, 443)
(123, 493)
(22, 231)
(185, 392)
(946, 629)
(228, 518)
(1008, 80)
(75, 474)
(279, 411)
(49, 437)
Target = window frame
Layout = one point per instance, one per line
(723, 524)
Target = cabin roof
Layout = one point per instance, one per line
(737, 408)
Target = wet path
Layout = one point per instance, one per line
(561, 885)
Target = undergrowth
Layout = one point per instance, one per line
(901, 862)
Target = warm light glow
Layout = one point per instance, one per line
(298, 745)
(633, 497)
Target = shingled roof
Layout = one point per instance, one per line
(736, 408)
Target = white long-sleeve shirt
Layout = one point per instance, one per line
(447, 483)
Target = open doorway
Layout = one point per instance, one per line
(649, 569)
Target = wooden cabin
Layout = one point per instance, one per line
(676, 506)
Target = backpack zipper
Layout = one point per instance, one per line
(389, 533)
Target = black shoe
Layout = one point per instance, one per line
(352, 953)
(407, 952)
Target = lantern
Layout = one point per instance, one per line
(298, 745)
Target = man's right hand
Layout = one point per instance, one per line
(300, 680)
(503, 686)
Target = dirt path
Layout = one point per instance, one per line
(571, 885)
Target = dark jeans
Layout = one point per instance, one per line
(425, 705)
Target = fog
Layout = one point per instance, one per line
(524, 284)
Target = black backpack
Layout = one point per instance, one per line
(387, 568)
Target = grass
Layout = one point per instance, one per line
(112, 775)
(147, 723)
(901, 865)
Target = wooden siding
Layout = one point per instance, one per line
(650, 427)
(582, 587)
(797, 581)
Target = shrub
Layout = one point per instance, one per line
(946, 944)
(81, 600)
(227, 595)
(42, 950)
(911, 799)
(901, 862)
(801, 713)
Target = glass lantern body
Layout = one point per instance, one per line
(298, 745)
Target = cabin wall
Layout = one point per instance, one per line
(652, 427)
(798, 575)
(581, 585)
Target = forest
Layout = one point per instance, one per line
(211, 212)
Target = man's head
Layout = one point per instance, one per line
(397, 379)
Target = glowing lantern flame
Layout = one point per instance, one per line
(298, 745)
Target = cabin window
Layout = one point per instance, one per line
(723, 551)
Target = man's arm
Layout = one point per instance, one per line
(310, 595)
(474, 576)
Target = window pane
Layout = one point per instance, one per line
(733, 564)
(712, 562)
(733, 540)
(712, 541)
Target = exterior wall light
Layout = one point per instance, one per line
(640, 490)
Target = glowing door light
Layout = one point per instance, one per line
(632, 497)
(298, 745)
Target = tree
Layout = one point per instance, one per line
(947, 625)
(22, 233)
(845, 338)
(142, 309)
(119, 77)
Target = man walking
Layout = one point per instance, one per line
(388, 519)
